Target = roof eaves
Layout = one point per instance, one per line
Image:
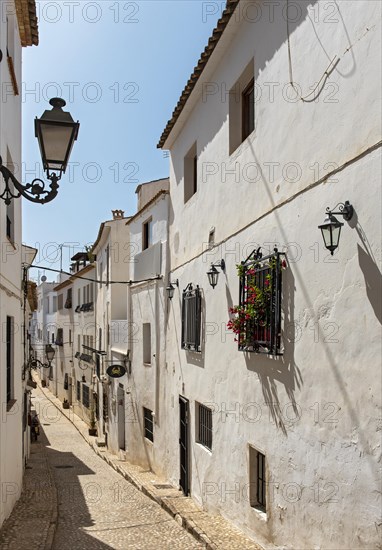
(150, 203)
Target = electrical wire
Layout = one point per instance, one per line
(74, 276)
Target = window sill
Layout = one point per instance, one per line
(11, 243)
(10, 404)
(209, 451)
(242, 146)
(260, 512)
(147, 364)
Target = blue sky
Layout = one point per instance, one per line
(121, 67)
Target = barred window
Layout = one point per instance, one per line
(85, 396)
(258, 321)
(148, 424)
(204, 415)
(191, 318)
(257, 479)
(78, 388)
(60, 337)
(68, 301)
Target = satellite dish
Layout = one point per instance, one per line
(43, 278)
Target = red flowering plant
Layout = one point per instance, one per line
(251, 320)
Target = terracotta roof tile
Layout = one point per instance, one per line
(27, 20)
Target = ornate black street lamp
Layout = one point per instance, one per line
(213, 273)
(331, 228)
(56, 133)
(171, 288)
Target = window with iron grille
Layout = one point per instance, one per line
(258, 317)
(85, 396)
(204, 416)
(148, 424)
(10, 358)
(60, 337)
(68, 301)
(191, 318)
(78, 388)
(257, 479)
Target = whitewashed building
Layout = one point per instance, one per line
(113, 254)
(18, 28)
(140, 402)
(279, 432)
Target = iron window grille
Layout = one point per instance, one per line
(261, 481)
(261, 332)
(68, 302)
(78, 388)
(191, 318)
(205, 426)
(85, 396)
(60, 337)
(148, 424)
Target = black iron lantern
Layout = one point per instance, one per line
(56, 132)
(331, 228)
(50, 353)
(171, 288)
(213, 273)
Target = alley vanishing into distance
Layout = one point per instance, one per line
(97, 508)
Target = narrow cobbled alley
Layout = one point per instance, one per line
(82, 503)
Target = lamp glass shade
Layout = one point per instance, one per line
(50, 353)
(331, 231)
(170, 291)
(56, 133)
(213, 276)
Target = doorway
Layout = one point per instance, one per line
(184, 481)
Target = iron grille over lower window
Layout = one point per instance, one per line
(78, 388)
(148, 424)
(191, 318)
(261, 480)
(260, 300)
(205, 426)
(85, 396)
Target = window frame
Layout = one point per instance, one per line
(191, 319)
(147, 233)
(204, 426)
(148, 422)
(248, 110)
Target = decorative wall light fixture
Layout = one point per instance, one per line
(56, 133)
(331, 228)
(171, 288)
(213, 273)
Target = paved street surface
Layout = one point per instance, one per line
(97, 508)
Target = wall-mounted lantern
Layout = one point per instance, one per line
(331, 228)
(56, 133)
(213, 273)
(171, 288)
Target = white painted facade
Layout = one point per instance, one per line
(12, 393)
(147, 311)
(113, 252)
(314, 411)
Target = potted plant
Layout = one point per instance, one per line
(65, 404)
(43, 383)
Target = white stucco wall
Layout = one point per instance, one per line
(11, 461)
(148, 304)
(322, 465)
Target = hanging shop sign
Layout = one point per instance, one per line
(116, 371)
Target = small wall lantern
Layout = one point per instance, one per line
(171, 288)
(50, 353)
(213, 273)
(331, 228)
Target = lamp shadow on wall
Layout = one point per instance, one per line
(274, 372)
(372, 275)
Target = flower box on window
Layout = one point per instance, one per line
(256, 321)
